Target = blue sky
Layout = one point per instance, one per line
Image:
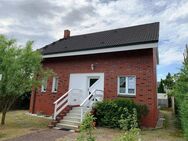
(45, 20)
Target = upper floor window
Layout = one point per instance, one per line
(127, 85)
(44, 85)
(55, 84)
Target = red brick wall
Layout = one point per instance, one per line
(141, 63)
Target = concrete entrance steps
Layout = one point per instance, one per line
(71, 120)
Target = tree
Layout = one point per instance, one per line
(20, 68)
(180, 91)
(161, 87)
(169, 82)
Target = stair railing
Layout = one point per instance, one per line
(61, 103)
(90, 100)
(96, 85)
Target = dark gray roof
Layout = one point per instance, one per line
(147, 33)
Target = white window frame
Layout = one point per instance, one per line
(126, 90)
(53, 84)
(44, 82)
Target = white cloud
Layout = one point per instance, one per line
(170, 55)
(4, 23)
(45, 21)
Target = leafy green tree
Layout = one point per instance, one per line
(161, 87)
(169, 82)
(20, 68)
(180, 91)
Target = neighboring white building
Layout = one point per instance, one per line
(162, 99)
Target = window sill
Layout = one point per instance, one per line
(43, 91)
(54, 92)
(126, 95)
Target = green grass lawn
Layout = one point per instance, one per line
(19, 123)
(168, 133)
(106, 134)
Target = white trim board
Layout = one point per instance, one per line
(104, 50)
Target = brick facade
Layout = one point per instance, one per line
(141, 63)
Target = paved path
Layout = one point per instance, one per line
(45, 135)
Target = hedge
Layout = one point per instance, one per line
(109, 112)
(180, 92)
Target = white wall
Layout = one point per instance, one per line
(162, 96)
(162, 99)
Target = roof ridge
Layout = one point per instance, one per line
(136, 34)
(116, 29)
(108, 30)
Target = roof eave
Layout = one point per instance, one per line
(103, 50)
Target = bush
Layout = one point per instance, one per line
(180, 91)
(128, 121)
(166, 121)
(113, 113)
(184, 117)
(22, 103)
(132, 135)
(87, 128)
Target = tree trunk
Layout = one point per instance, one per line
(6, 108)
(3, 117)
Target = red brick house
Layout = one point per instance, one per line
(109, 64)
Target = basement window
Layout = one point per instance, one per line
(55, 84)
(127, 85)
(44, 85)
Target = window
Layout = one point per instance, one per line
(55, 84)
(44, 85)
(127, 85)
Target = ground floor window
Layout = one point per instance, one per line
(44, 85)
(55, 84)
(127, 85)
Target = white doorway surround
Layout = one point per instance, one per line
(86, 83)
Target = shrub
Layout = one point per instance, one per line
(180, 91)
(128, 122)
(166, 121)
(22, 103)
(112, 113)
(134, 120)
(184, 117)
(132, 135)
(86, 128)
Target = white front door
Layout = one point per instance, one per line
(83, 82)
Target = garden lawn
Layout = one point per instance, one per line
(19, 123)
(168, 133)
(106, 134)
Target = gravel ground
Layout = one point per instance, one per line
(45, 135)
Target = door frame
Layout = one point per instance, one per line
(81, 82)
